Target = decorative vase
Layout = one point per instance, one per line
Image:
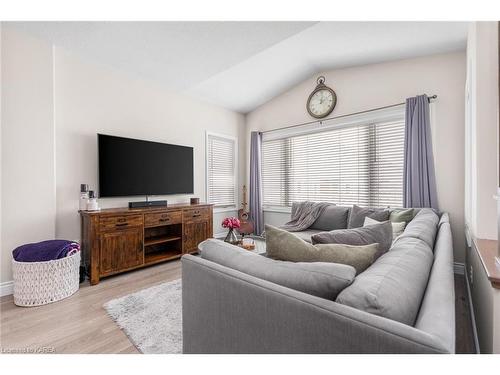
(231, 237)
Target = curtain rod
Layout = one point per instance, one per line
(349, 114)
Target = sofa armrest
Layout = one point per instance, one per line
(226, 311)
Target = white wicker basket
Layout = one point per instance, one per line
(39, 283)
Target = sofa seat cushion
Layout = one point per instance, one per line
(333, 217)
(305, 234)
(377, 233)
(394, 285)
(357, 215)
(282, 245)
(323, 280)
(424, 226)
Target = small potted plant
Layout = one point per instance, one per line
(231, 223)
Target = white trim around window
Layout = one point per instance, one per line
(225, 200)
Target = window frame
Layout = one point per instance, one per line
(392, 113)
(208, 135)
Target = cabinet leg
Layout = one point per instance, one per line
(94, 279)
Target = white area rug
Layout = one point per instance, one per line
(151, 318)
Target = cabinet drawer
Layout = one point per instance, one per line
(162, 218)
(120, 222)
(196, 215)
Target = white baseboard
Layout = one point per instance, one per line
(6, 288)
(459, 268)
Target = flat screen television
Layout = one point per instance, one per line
(130, 167)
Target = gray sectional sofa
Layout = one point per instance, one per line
(235, 301)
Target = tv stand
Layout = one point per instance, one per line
(121, 239)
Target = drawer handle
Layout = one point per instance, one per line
(197, 215)
(167, 219)
(121, 220)
(121, 224)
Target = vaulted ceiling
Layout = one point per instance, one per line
(241, 65)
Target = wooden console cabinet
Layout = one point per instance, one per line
(121, 239)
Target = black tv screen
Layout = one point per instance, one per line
(134, 167)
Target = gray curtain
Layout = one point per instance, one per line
(256, 214)
(419, 181)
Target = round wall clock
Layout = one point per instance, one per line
(322, 100)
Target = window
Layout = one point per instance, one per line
(221, 170)
(356, 161)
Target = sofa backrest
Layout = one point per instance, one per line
(393, 287)
(437, 311)
(424, 226)
(333, 217)
(337, 217)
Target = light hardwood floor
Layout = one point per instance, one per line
(78, 324)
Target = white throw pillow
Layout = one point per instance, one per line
(397, 228)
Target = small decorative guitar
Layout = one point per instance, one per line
(246, 225)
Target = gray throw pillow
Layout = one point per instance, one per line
(377, 233)
(333, 217)
(282, 245)
(397, 228)
(358, 214)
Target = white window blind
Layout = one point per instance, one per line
(221, 170)
(355, 164)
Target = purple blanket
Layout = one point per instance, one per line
(45, 251)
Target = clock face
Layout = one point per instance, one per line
(321, 103)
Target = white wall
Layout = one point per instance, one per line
(28, 180)
(481, 177)
(54, 103)
(482, 130)
(371, 86)
(93, 99)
